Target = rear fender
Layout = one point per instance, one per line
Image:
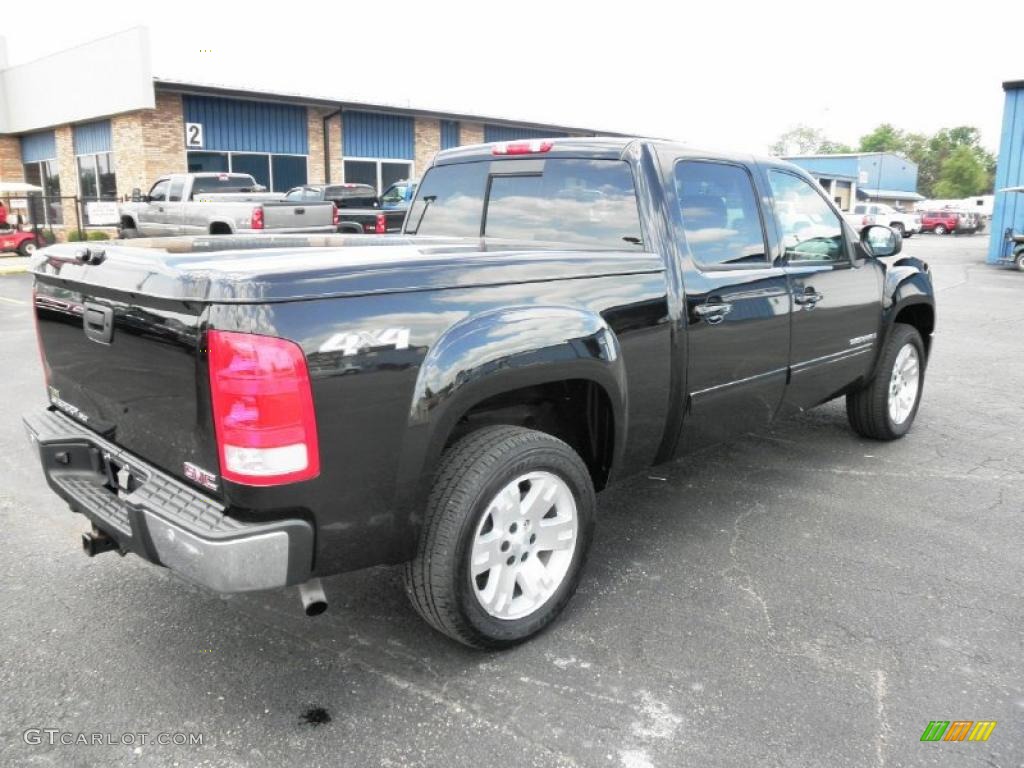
(500, 351)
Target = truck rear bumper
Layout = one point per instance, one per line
(162, 519)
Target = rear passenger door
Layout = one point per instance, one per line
(837, 298)
(737, 302)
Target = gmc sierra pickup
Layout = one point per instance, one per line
(255, 412)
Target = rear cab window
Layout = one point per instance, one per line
(588, 203)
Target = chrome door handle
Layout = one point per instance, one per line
(713, 313)
(810, 298)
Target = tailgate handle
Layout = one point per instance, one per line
(98, 322)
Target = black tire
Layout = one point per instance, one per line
(908, 235)
(471, 474)
(28, 247)
(899, 229)
(939, 229)
(1020, 261)
(128, 233)
(868, 409)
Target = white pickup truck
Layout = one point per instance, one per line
(219, 204)
(865, 214)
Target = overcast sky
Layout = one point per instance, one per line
(718, 74)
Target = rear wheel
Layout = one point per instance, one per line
(505, 536)
(940, 229)
(28, 247)
(899, 229)
(885, 409)
(128, 233)
(1020, 261)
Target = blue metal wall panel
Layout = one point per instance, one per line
(235, 125)
(1008, 211)
(511, 133)
(38, 146)
(888, 171)
(837, 166)
(449, 134)
(370, 134)
(92, 138)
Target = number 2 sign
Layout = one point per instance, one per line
(194, 135)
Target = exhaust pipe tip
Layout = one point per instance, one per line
(314, 600)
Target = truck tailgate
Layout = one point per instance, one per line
(305, 216)
(126, 366)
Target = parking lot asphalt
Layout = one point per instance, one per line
(801, 597)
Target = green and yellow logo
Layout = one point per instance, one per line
(958, 730)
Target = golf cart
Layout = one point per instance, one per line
(12, 238)
(1013, 242)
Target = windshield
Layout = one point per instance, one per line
(590, 203)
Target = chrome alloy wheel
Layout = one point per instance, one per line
(904, 384)
(523, 545)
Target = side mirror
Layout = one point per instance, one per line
(136, 195)
(880, 241)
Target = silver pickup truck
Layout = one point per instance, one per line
(219, 204)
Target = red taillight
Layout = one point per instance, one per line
(381, 226)
(257, 218)
(262, 409)
(522, 147)
(335, 214)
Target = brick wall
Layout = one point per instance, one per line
(10, 159)
(317, 160)
(428, 142)
(334, 147)
(148, 143)
(471, 133)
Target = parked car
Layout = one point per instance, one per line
(359, 208)
(218, 204)
(940, 222)
(557, 316)
(865, 214)
(399, 194)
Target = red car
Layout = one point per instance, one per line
(24, 243)
(939, 222)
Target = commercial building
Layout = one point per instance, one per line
(1008, 209)
(62, 133)
(883, 177)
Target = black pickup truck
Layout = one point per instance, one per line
(256, 412)
(359, 209)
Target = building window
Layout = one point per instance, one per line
(96, 178)
(276, 172)
(44, 209)
(379, 174)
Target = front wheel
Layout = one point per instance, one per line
(1020, 261)
(885, 409)
(505, 535)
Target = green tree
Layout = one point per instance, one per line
(885, 138)
(962, 174)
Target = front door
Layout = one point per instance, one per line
(152, 216)
(737, 303)
(837, 298)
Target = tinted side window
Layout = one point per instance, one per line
(720, 214)
(811, 230)
(177, 186)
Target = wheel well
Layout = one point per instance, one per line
(577, 412)
(350, 229)
(127, 222)
(921, 317)
(219, 228)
